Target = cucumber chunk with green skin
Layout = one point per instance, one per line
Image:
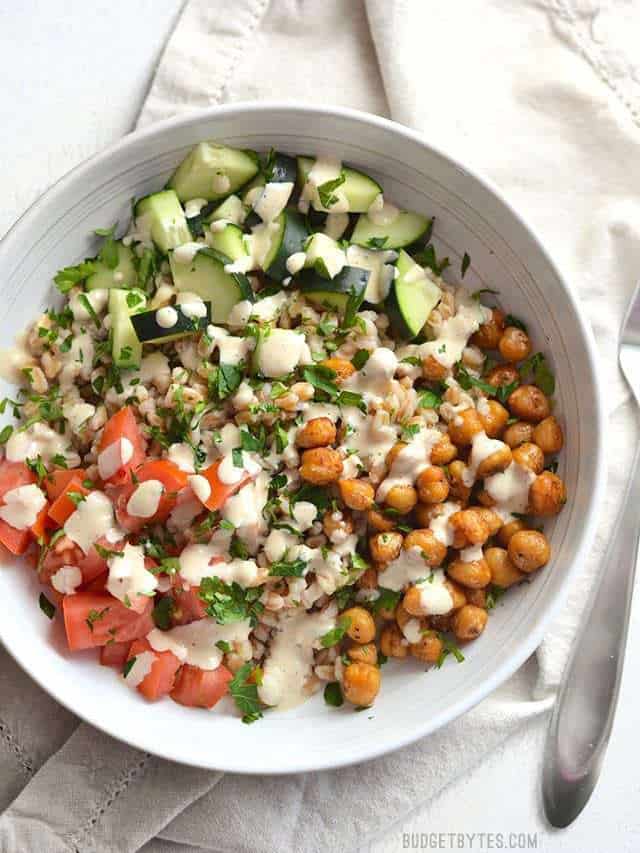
(293, 238)
(205, 276)
(360, 190)
(232, 209)
(412, 297)
(126, 349)
(163, 216)
(324, 255)
(123, 275)
(402, 230)
(150, 331)
(345, 290)
(228, 241)
(213, 172)
(281, 169)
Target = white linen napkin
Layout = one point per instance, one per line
(544, 98)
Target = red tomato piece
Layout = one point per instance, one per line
(201, 688)
(16, 541)
(171, 477)
(92, 619)
(12, 476)
(123, 425)
(62, 506)
(160, 680)
(57, 480)
(221, 491)
(187, 606)
(114, 654)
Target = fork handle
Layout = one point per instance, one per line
(583, 716)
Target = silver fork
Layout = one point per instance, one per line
(583, 716)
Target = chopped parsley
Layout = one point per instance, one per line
(448, 648)
(109, 251)
(377, 242)
(360, 358)
(464, 266)
(161, 613)
(494, 594)
(5, 434)
(427, 258)
(288, 568)
(510, 320)
(332, 637)
(325, 191)
(126, 669)
(94, 616)
(429, 400)
(387, 600)
(245, 693)
(536, 365)
(333, 694)
(46, 606)
(68, 277)
(228, 603)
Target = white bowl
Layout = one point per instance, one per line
(470, 216)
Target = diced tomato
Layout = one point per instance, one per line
(38, 528)
(123, 425)
(62, 507)
(171, 477)
(188, 606)
(98, 584)
(221, 491)
(56, 482)
(200, 688)
(160, 680)
(16, 541)
(12, 476)
(92, 619)
(114, 654)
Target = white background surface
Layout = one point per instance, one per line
(72, 77)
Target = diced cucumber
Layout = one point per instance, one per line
(276, 239)
(213, 171)
(282, 169)
(126, 349)
(162, 214)
(347, 289)
(150, 331)
(294, 235)
(324, 255)
(123, 275)
(232, 209)
(412, 297)
(205, 276)
(401, 230)
(380, 265)
(228, 241)
(360, 190)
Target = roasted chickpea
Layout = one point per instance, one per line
(392, 642)
(433, 486)
(428, 649)
(412, 602)
(333, 521)
(529, 456)
(469, 622)
(464, 426)
(475, 574)
(502, 374)
(342, 368)
(529, 403)
(497, 461)
(318, 432)
(507, 530)
(470, 528)
(494, 418)
(366, 653)
(387, 614)
(361, 683)
(485, 499)
(362, 628)
(458, 595)
(477, 597)
(489, 334)
(380, 522)
(457, 487)
(529, 550)
(548, 435)
(385, 547)
(441, 623)
(425, 513)
(547, 494)
(519, 433)
(432, 370)
(492, 519)
(432, 549)
(321, 465)
(356, 494)
(503, 573)
(402, 498)
(401, 616)
(368, 579)
(514, 344)
(444, 451)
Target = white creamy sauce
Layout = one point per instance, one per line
(194, 206)
(304, 514)
(336, 224)
(410, 461)
(412, 631)
(234, 211)
(244, 510)
(97, 299)
(228, 472)
(206, 561)
(200, 487)
(257, 245)
(435, 598)
(166, 317)
(145, 499)
(229, 437)
(185, 253)
(376, 205)
(270, 307)
(77, 415)
(232, 350)
(194, 310)
(510, 490)
(128, 576)
(324, 169)
(195, 643)
(184, 513)
(220, 183)
(381, 270)
(385, 215)
(406, 569)
(295, 262)
(372, 437)
(22, 506)
(114, 456)
(281, 352)
(482, 447)
(39, 440)
(92, 519)
(321, 410)
(290, 659)
(66, 580)
(323, 248)
(181, 454)
(277, 543)
(454, 333)
(471, 554)
(240, 314)
(273, 200)
(13, 360)
(440, 526)
(142, 666)
(375, 380)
